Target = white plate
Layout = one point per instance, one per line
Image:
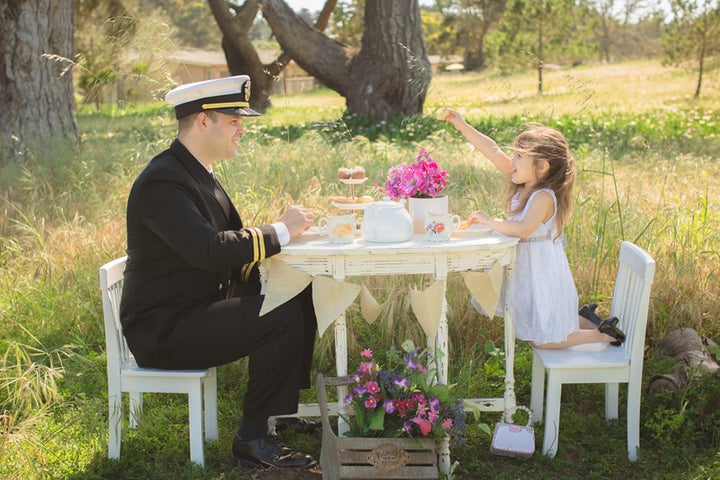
(313, 232)
(350, 206)
(353, 181)
(473, 230)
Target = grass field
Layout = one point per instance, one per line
(648, 157)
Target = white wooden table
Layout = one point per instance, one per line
(317, 256)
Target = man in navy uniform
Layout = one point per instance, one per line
(191, 297)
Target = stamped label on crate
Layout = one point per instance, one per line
(388, 457)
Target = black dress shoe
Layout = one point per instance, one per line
(588, 311)
(609, 327)
(268, 451)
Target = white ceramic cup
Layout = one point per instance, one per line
(339, 228)
(439, 226)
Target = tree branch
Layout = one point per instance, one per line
(316, 53)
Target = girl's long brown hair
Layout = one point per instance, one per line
(546, 143)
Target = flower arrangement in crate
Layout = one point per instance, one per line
(399, 396)
(422, 179)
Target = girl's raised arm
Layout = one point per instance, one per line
(482, 142)
(540, 210)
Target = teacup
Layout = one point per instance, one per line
(439, 226)
(339, 228)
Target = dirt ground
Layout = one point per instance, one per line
(287, 474)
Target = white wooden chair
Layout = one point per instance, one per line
(611, 366)
(125, 376)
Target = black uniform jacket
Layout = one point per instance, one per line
(186, 247)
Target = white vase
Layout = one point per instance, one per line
(418, 207)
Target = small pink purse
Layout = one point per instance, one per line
(512, 440)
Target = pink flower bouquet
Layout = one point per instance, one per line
(400, 398)
(422, 179)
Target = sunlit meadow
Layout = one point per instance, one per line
(648, 162)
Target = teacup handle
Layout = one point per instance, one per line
(456, 222)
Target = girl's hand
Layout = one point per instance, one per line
(479, 217)
(450, 116)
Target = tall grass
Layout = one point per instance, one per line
(648, 167)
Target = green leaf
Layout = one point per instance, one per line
(377, 421)
(441, 392)
(485, 428)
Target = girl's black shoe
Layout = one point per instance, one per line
(609, 327)
(588, 311)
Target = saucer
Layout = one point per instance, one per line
(474, 230)
(313, 232)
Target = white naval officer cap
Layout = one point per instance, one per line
(229, 95)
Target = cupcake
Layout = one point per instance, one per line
(357, 172)
(344, 173)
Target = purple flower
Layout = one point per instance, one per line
(398, 383)
(410, 363)
(365, 367)
(422, 179)
(407, 427)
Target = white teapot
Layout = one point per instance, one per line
(386, 222)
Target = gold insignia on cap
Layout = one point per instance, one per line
(246, 90)
(206, 106)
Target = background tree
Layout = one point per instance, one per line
(692, 34)
(472, 20)
(99, 27)
(191, 18)
(347, 22)
(123, 47)
(613, 17)
(36, 89)
(388, 75)
(440, 32)
(236, 22)
(536, 32)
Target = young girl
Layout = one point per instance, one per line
(541, 292)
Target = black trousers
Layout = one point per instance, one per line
(279, 346)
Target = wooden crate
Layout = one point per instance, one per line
(371, 458)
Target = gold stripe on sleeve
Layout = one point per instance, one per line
(256, 250)
(261, 241)
(245, 272)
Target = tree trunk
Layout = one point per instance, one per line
(691, 351)
(36, 89)
(390, 73)
(241, 56)
(540, 59)
(701, 65)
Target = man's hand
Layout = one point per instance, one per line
(297, 219)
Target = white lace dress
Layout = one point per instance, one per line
(541, 292)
